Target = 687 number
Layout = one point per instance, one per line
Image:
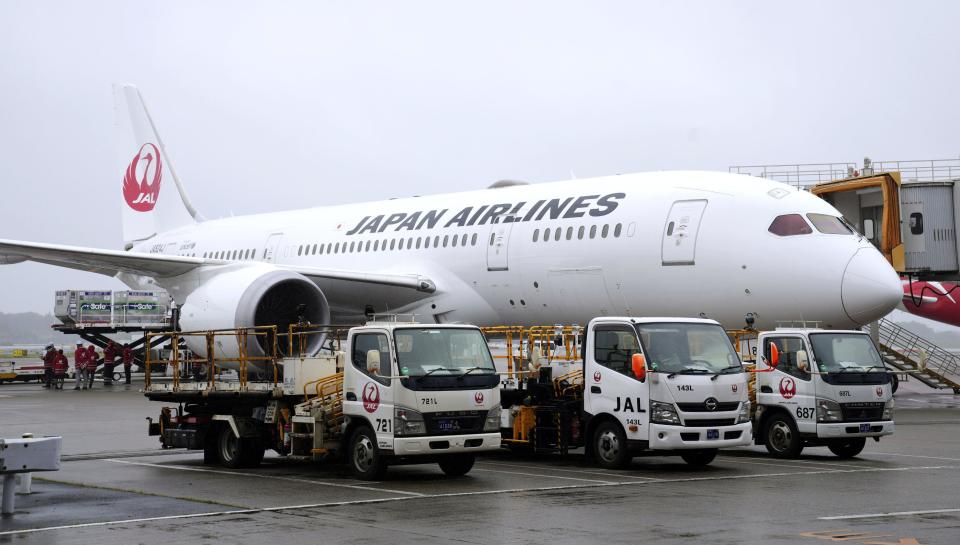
(806, 412)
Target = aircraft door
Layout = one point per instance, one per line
(680, 232)
(270, 248)
(498, 243)
(610, 385)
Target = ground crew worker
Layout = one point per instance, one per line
(80, 365)
(109, 357)
(60, 365)
(127, 360)
(91, 365)
(49, 357)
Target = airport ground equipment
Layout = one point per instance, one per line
(919, 358)
(657, 386)
(388, 392)
(816, 387)
(25, 455)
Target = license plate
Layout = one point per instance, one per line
(713, 434)
(448, 425)
(864, 428)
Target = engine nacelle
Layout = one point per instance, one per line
(251, 295)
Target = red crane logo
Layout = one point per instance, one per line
(788, 388)
(370, 397)
(141, 182)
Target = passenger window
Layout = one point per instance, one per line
(605, 231)
(580, 232)
(536, 234)
(614, 347)
(558, 233)
(569, 233)
(426, 242)
(617, 230)
(454, 241)
(463, 240)
(792, 352)
(419, 240)
(473, 240)
(789, 225)
(371, 355)
(300, 250)
(446, 238)
(593, 231)
(436, 241)
(393, 243)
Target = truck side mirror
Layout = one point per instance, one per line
(774, 355)
(639, 366)
(803, 363)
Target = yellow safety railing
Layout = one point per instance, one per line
(299, 337)
(213, 361)
(520, 342)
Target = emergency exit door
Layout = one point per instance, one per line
(498, 243)
(270, 248)
(680, 232)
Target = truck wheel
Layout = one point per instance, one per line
(251, 452)
(699, 458)
(229, 448)
(456, 465)
(610, 446)
(782, 437)
(847, 448)
(366, 461)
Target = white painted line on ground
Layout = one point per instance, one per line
(775, 464)
(917, 456)
(576, 471)
(542, 476)
(894, 514)
(261, 476)
(463, 494)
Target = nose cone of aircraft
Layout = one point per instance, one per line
(871, 288)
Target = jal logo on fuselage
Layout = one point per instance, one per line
(370, 397)
(626, 404)
(141, 182)
(685, 387)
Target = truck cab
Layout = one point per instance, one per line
(416, 393)
(820, 387)
(667, 385)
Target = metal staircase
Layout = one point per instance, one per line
(923, 360)
(316, 423)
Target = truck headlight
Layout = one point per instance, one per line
(408, 422)
(492, 423)
(888, 410)
(663, 413)
(828, 411)
(744, 415)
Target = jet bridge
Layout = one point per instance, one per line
(907, 209)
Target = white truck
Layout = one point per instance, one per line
(657, 386)
(396, 393)
(818, 387)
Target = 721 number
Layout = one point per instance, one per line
(385, 425)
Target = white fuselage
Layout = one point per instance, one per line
(668, 243)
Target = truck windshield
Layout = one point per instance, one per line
(845, 353)
(442, 352)
(688, 348)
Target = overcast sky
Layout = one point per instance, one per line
(278, 105)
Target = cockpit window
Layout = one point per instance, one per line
(789, 225)
(830, 225)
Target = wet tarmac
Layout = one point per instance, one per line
(116, 487)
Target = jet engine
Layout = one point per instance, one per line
(252, 295)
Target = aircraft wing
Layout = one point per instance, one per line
(112, 262)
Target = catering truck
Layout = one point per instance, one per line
(384, 393)
(817, 387)
(623, 387)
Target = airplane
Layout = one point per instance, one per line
(932, 300)
(681, 243)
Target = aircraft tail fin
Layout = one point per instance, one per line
(152, 198)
